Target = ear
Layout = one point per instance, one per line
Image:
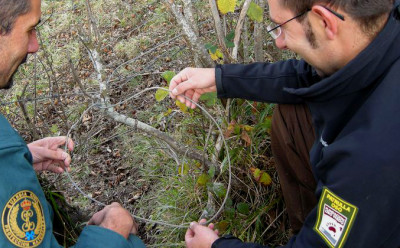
(327, 19)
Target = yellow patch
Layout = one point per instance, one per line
(335, 218)
(23, 221)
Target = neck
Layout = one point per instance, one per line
(351, 42)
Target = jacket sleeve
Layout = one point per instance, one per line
(233, 242)
(99, 237)
(265, 82)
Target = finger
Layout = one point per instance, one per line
(66, 162)
(115, 204)
(172, 86)
(62, 140)
(98, 217)
(203, 222)
(176, 80)
(181, 98)
(189, 234)
(70, 144)
(189, 95)
(195, 227)
(216, 231)
(183, 87)
(135, 228)
(55, 168)
(195, 98)
(211, 226)
(57, 155)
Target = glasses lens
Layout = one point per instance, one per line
(274, 30)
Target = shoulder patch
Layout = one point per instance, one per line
(335, 218)
(23, 220)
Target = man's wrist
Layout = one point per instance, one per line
(221, 242)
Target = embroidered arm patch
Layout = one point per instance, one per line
(335, 218)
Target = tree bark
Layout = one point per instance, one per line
(259, 36)
(238, 29)
(197, 45)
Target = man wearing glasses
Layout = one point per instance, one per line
(335, 131)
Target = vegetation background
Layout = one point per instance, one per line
(161, 161)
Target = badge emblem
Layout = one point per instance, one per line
(335, 218)
(23, 221)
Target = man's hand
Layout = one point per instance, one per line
(200, 236)
(115, 218)
(48, 155)
(192, 83)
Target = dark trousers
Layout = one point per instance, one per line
(291, 139)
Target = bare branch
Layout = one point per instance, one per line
(220, 33)
(259, 36)
(238, 29)
(105, 104)
(188, 9)
(195, 41)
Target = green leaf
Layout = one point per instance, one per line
(229, 202)
(243, 208)
(229, 213)
(229, 40)
(203, 179)
(222, 226)
(236, 129)
(226, 6)
(224, 165)
(229, 44)
(219, 190)
(168, 112)
(161, 94)
(54, 129)
(184, 170)
(209, 98)
(168, 75)
(255, 12)
(230, 36)
(211, 171)
(219, 54)
(212, 49)
(181, 106)
(257, 173)
(265, 179)
(213, 56)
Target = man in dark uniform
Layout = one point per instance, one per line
(341, 104)
(26, 218)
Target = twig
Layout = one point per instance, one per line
(220, 32)
(191, 35)
(269, 226)
(259, 36)
(28, 120)
(238, 29)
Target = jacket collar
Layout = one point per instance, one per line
(364, 69)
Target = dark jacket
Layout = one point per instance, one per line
(356, 155)
(26, 219)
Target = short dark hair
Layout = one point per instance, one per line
(366, 12)
(10, 10)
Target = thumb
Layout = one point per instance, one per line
(183, 87)
(194, 226)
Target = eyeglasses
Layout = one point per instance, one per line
(275, 30)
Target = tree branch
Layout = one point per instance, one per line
(197, 45)
(238, 29)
